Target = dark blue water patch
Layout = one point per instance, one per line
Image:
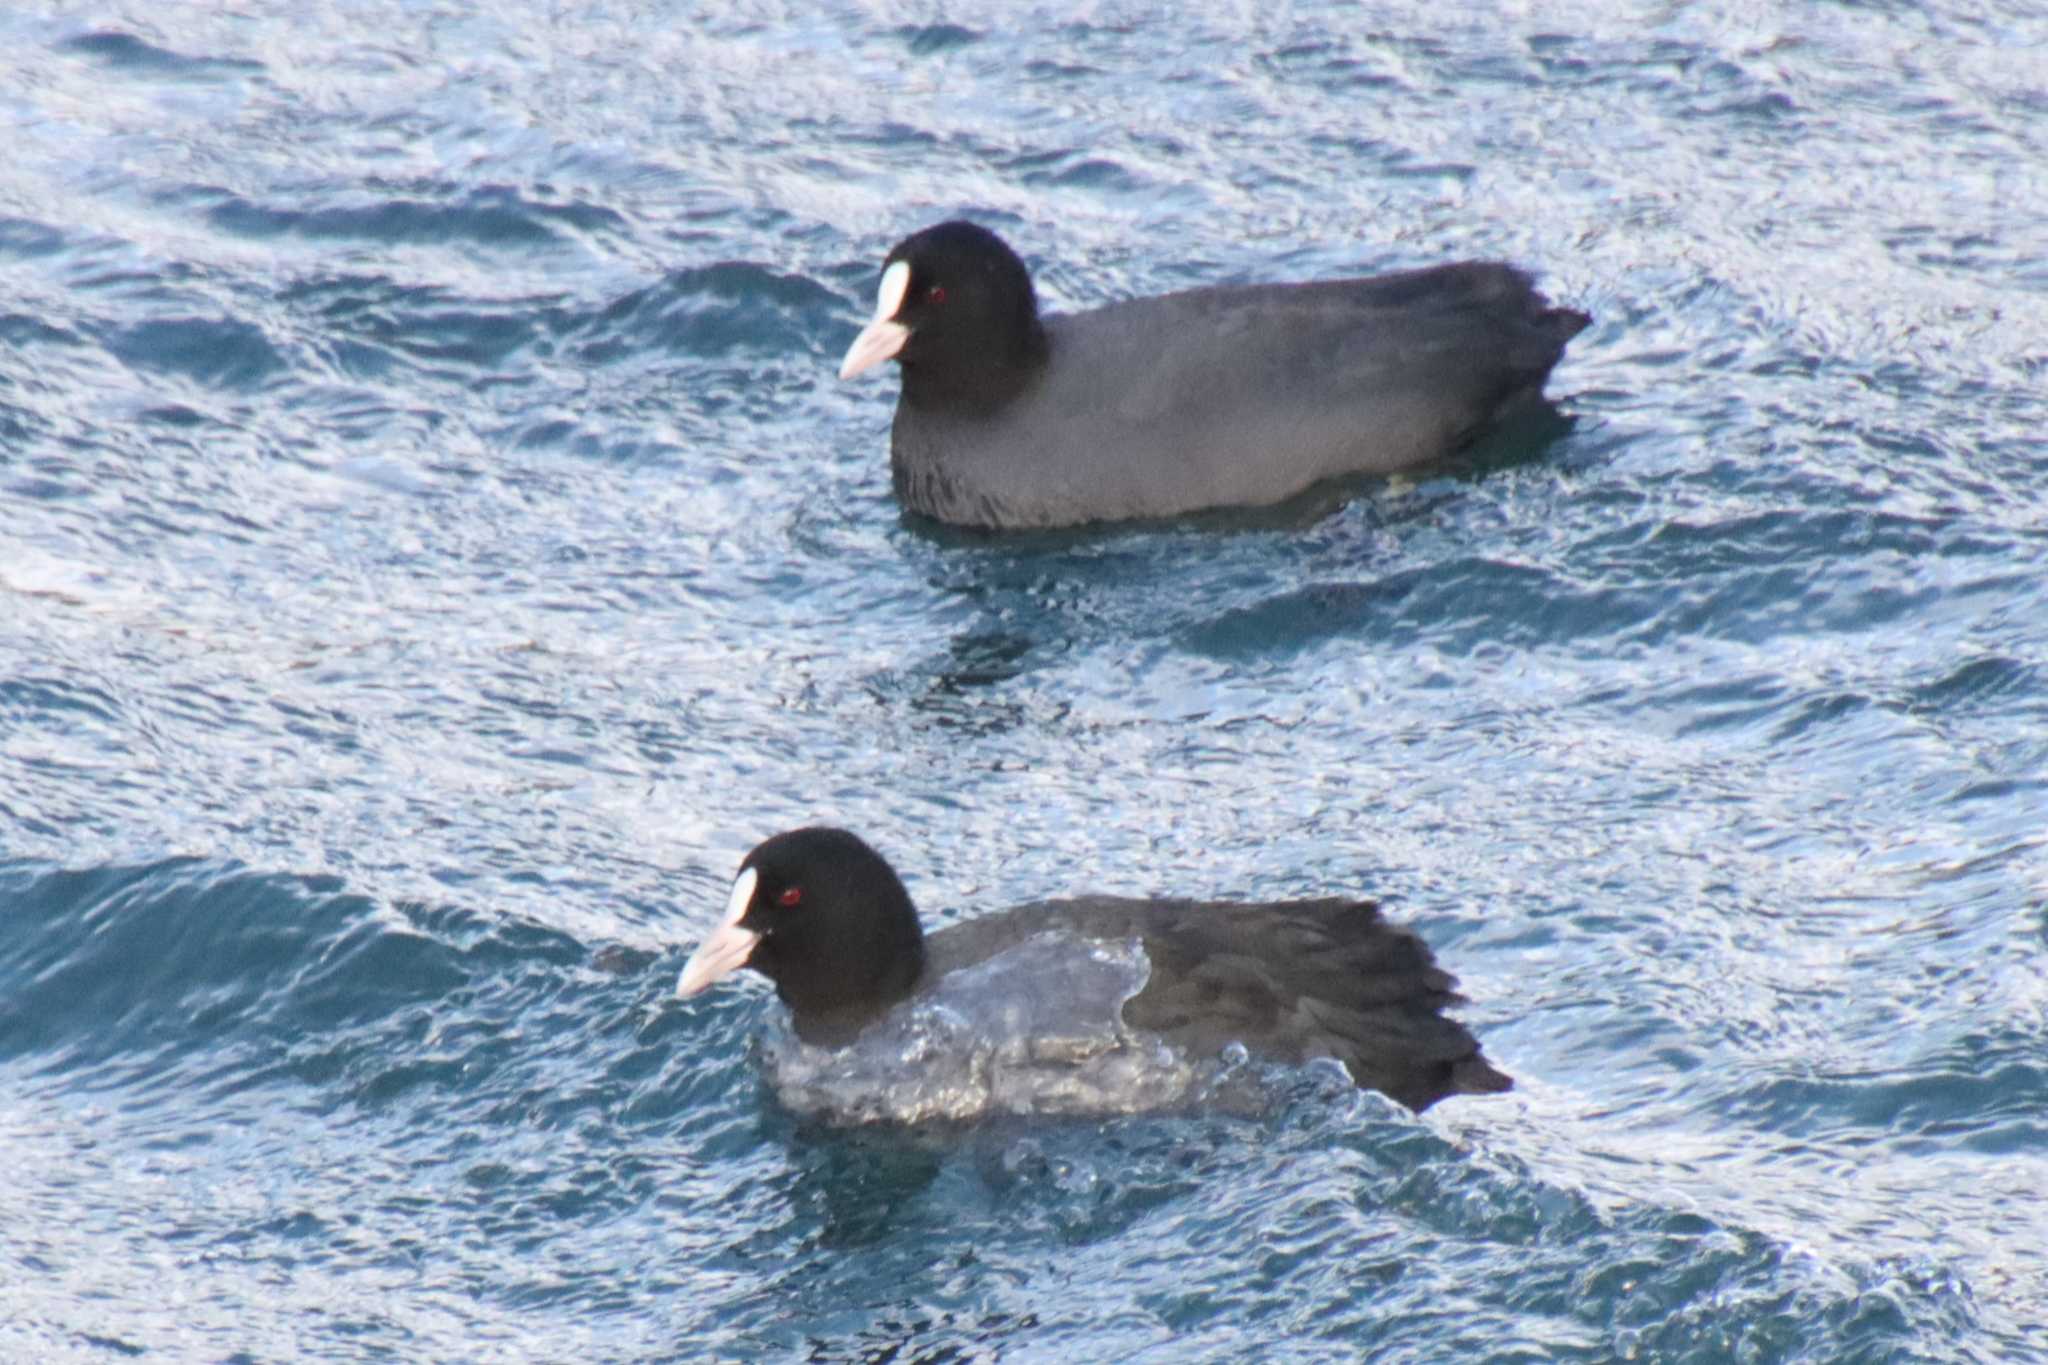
(1991, 684)
(1458, 606)
(185, 972)
(1692, 1316)
(1733, 704)
(716, 311)
(1335, 65)
(494, 216)
(175, 416)
(1985, 1093)
(1819, 713)
(157, 960)
(1946, 248)
(930, 39)
(1698, 550)
(1041, 70)
(369, 324)
(866, 1209)
(355, 327)
(46, 702)
(333, 729)
(22, 331)
(220, 352)
(1765, 106)
(1696, 81)
(888, 136)
(952, 689)
(1305, 617)
(1075, 169)
(2006, 795)
(1374, 1211)
(482, 1022)
(1390, 158)
(40, 489)
(129, 54)
(128, 284)
(25, 239)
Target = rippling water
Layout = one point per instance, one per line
(436, 548)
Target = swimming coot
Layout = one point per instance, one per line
(823, 916)
(1235, 396)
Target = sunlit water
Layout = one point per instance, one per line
(436, 548)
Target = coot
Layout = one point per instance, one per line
(1235, 396)
(824, 917)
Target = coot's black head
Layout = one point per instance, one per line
(820, 914)
(957, 311)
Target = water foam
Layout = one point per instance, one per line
(1035, 1029)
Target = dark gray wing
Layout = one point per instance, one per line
(1291, 981)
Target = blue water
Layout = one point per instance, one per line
(436, 548)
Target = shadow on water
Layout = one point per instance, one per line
(1240, 583)
(856, 1187)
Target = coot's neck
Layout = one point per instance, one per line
(978, 383)
(838, 997)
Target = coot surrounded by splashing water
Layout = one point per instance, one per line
(1096, 1004)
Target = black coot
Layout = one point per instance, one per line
(1237, 396)
(824, 917)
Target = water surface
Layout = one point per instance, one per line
(436, 549)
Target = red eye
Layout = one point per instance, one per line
(937, 293)
(791, 897)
